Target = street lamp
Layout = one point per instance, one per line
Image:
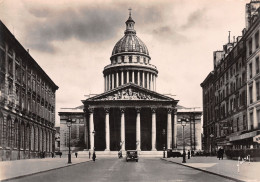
(183, 123)
(163, 133)
(211, 136)
(69, 123)
(93, 133)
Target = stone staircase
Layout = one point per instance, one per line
(115, 153)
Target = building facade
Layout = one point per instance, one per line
(130, 114)
(27, 102)
(230, 91)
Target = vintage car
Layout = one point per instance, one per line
(131, 155)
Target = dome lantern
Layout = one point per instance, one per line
(130, 24)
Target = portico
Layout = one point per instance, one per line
(132, 116)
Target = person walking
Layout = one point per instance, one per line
(221, 153)
(94, 156)
(188, 154)
(76, 154)
(218, 153)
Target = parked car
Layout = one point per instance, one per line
(131, 155)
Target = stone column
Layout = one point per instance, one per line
(169, 128)
(85, 130)
(91, 128)
(117, 81)
(109, 82)
(127, 76)
(122, 77)
(143, 80)
(123, 128)
(155, 83)
(138, 129)
(104, 83)
(113, 80)
(138, 77)
(175, 129)
(107, 130)
(133, 76)
(153, 129)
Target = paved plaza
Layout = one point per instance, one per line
(114, 169)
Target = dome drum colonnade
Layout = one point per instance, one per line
(130, 62)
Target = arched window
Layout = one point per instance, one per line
(36, 136)
(130, 59)
(47, 142)
(27, 136)
(22, 135)
(50, 138)
(15, 139)
(32, 138)
(40, 139)
(1, 128)
(8, 130)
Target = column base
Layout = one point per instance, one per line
(107, 149)
(154, 150)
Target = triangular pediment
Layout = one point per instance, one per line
(130, 91)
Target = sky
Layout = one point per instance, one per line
(73, 40)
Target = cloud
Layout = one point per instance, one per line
(85, 23)
(196, 18)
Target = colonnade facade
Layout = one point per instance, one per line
(169, 125)
(145, 79)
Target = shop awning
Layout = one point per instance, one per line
(244, 136)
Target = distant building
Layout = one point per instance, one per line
(231, 92)
(27, 102)
(57, 139)
(130, 114)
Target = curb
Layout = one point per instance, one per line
(217, 174)
(17, 177)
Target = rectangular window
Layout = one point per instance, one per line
(257, 40)
(250, 70)
(250, 94)
(258, 118)
(251, 121)
(250, 46)
(257, 65)
(257, 90)
(237, 124)
(244, 122)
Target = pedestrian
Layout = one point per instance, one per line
(60, 154)
(192, 153)
(188, 154)
(94, 156)
(76, 154)
(218, 153)
(222, 153)
(89, 154)
(52, 154)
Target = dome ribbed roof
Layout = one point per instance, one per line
(130, 43)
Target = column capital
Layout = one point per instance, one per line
(153, 109)
(122, 109)
(138, 109)
(107, 109)
(169, 110)
(91, 109)
(175, 111)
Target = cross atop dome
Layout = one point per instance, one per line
(130, 9)
(130, 24)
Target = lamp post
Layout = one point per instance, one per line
(183, 123)
(93, 133)
(211, 136)
(163, 133)
(69, 123)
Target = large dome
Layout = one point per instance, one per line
(130, 43)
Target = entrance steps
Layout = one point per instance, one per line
(85, 153)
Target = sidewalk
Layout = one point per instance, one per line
(228, 168)
(17, 168)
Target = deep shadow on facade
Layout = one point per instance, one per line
(27, 103)
(130, 114)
